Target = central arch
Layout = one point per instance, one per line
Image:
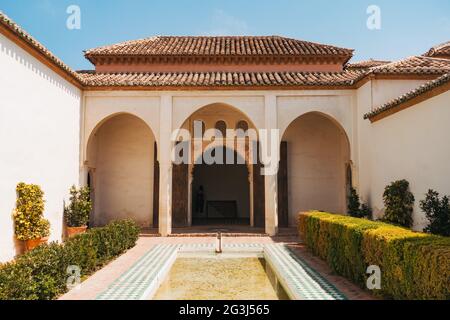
(187, 178)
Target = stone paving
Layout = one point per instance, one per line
(96, 284)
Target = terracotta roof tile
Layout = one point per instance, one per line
(218, 46)
(441, 50)
(366, 64)
(222, 79)
(414, 65)
(442, 80)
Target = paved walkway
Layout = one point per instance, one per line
(102, 279)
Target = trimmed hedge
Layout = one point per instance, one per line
(413, 265)
(41, 274)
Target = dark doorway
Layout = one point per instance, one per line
(221, 194)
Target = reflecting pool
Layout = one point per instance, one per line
(219, 278)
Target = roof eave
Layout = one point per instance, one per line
(14, 33)
(417, 96)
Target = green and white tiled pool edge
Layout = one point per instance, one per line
(143, 279)
(298, 279)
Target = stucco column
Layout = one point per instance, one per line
(250, 183)
(271, 179)
(165, 166)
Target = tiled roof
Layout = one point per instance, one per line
(409, 66)
(366, 64)
(22, 34)
(218, 46)
(427, 87)
(222, 79)
(442, 49)
(414, 65)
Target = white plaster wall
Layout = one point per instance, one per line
(364, 105)
(39, 138)
(412, 145)
(121, 152)
(317, 157)
(385, 90)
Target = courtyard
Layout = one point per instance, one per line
(221, 166)
(101, 284)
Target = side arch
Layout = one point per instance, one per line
(340, 123)
(120, 160)
(92, 127)
(314, 161)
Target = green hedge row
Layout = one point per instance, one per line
(41, 274)
(413, 265)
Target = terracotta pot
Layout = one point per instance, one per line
(33, 243)
(72, 231)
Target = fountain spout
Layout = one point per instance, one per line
(219, 242)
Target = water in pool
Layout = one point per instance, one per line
(215, 278)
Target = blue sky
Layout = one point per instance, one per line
(407, 27)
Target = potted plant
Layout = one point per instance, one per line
(29, 224)
(77, 212)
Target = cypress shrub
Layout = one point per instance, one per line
(355, 208)
(399, 203)
(437, 212)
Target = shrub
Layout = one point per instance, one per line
(76, 214)
(28, 216)
(41, 274)
(366, 211)
(353, 203)
(413, 265)
(399, 203)
(438, 213)
(355, 208)
(337, 240)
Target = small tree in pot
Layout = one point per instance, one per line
(77, 212)
(29, 224)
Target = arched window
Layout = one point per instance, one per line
(222, 127)
(243, 125)
(241, 129)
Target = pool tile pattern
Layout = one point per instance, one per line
(144, 277)
(300, 281)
